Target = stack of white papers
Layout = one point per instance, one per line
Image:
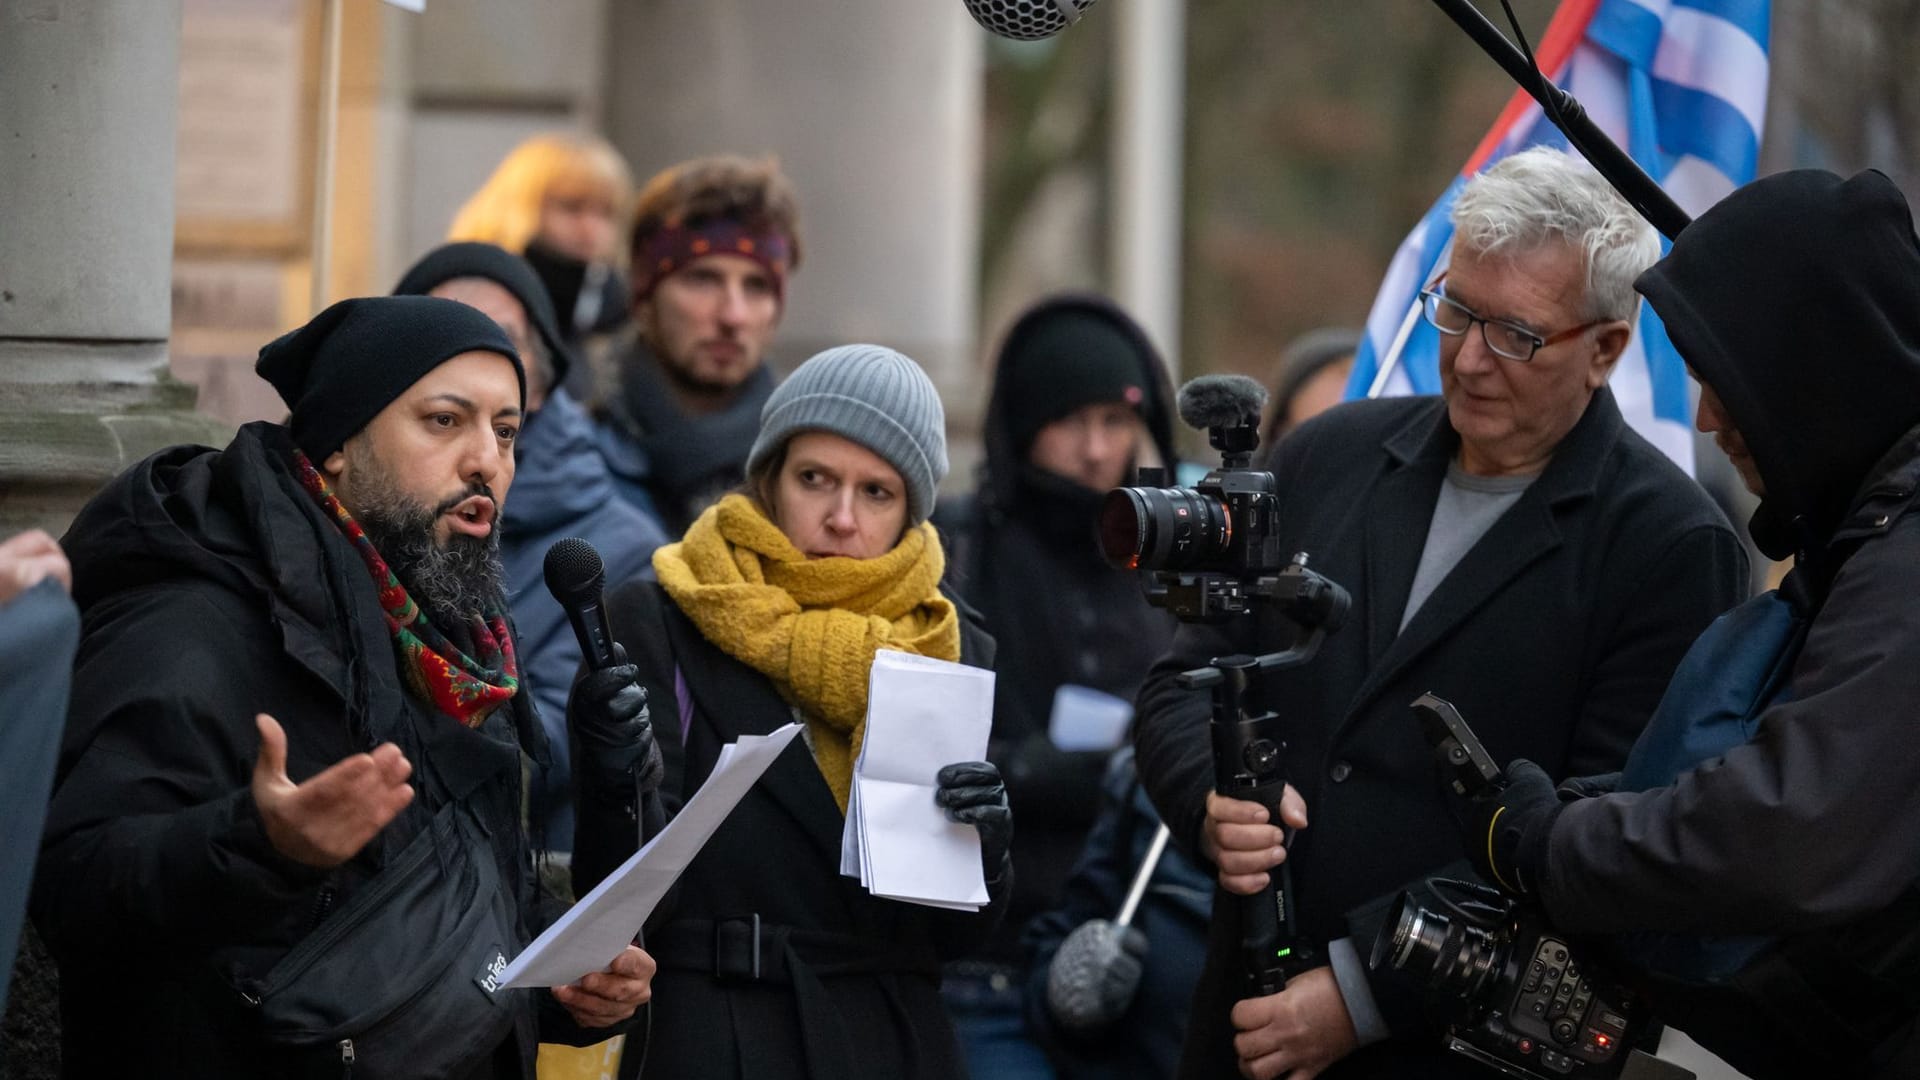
(595, 930)
(922, 714)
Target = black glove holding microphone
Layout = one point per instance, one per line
(972, 794)
(608, 727)
(611, 729)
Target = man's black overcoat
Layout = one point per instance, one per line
(1555, 635)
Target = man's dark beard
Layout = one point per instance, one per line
(451, 583)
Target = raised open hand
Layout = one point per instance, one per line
(329, 818)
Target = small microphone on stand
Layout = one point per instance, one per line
(575, 575)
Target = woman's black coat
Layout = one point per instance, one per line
(848, 983)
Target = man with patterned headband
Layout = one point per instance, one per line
(713, 242)
(286, 832)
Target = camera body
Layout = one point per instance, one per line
(1215, 549)
(1522, 1000)
(1224, 527)
(1519, 996)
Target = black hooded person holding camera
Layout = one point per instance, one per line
(1762, 847)
(1513, 542)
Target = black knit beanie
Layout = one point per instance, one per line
(503, 268)
(1069, 358)
(337, 372)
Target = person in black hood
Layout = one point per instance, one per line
(1762, 847)
(561, 488)
(289, 788)
(1079, 394)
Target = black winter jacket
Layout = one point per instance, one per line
(1024, 553)
(212, 588)
(847, 984)
(1794, 300)
(1554, 635)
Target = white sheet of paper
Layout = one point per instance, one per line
(592, 932)
(1088, 719)
(918, 856)
(922, 714)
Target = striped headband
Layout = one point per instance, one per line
(671, 247)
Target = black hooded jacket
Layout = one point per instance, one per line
(1797, 299)
(1023, 554)
(212, 588)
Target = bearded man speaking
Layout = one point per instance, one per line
(286, 833)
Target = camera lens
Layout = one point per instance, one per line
(1162, 528)
(1456, 959)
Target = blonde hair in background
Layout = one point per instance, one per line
(506, 209)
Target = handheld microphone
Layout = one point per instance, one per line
(1027, 20)
(1221, 401)
(575, 576)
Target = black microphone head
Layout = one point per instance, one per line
(574, 571)
(1027, 20)
(1219, 401)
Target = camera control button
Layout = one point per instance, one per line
(1339, 772)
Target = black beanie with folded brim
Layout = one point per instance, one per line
(357, 357)
(469, 258)
(1065, 359)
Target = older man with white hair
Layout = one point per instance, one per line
(1511, 545)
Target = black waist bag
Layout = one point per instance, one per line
(402, 981)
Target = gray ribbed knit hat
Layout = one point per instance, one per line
(873, 396)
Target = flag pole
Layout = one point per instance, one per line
(1392, 359)
(321, 243)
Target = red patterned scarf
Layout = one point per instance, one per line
(435, 671)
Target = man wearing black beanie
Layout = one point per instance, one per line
(290, 785)
(561, 487)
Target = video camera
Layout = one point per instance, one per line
(1213, 552)
(1215, 547)
(1519, 996)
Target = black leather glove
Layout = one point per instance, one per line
(1506, 832)
(972, 794)
(612, 734)
(1093, 977)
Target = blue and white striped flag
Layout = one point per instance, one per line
(1682, 85)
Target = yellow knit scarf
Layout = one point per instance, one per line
(810, 625)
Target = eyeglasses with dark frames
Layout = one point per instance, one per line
(1508, 339)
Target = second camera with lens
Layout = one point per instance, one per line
(1517, 995)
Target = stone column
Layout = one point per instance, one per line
(87, 92)
(873, 107)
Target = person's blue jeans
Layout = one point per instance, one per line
(986, 1004)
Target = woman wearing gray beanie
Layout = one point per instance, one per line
(770, 609)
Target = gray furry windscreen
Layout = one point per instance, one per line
(1221, 401)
